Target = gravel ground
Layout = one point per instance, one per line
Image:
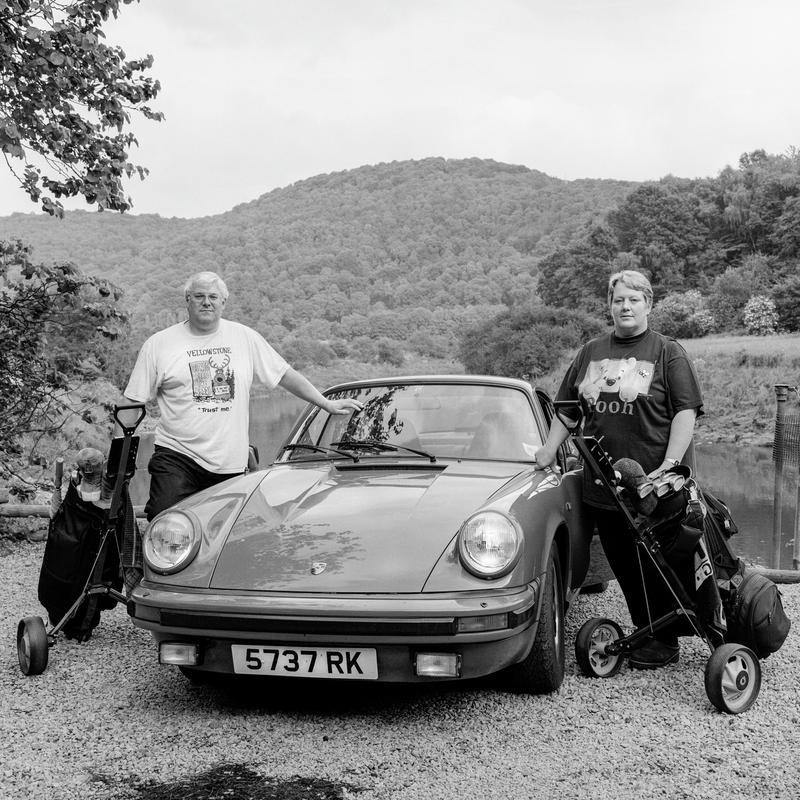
(106, 721)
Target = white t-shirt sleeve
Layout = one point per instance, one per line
(143, 382)
(268, 366)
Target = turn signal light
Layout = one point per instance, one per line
(487, 622)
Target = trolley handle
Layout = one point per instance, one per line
(129, 430)
(571, 413)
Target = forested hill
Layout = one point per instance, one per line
(398, 255)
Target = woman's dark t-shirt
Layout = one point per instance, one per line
(636, 386)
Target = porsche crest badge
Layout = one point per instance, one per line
(318, 567)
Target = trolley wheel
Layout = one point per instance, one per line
(590, 648)
(32, 646)
(733, 678)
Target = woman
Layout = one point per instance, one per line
(645, 399)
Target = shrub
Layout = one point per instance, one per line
(433, 345)
(302, 352)
(363, 348)
(760, 317)
(340, 347)
(525, 343)
(55, 327)
(391, 352)
(731, 291)
(682, 315)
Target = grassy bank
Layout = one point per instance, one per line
(738, 375)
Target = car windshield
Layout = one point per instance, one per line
(424, 420)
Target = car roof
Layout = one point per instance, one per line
(485, 380)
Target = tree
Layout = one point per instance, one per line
(682, 315)
(54, 322)
(525, 342)
(757, 195)
(662, 225)
(786, 296)
(577, 277)
(784, 237)
(65, 102)
(731, 290)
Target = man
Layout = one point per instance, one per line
(645, 399)
(200, 372)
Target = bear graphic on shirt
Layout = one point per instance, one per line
(626, 377)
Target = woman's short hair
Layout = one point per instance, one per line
(633, 280)
(206, 277)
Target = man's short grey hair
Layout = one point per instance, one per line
(206, 277)
(633, 280)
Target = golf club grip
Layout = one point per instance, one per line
(129, 429)
(116, 496)
(58, 479)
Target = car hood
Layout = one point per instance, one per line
(352, 529)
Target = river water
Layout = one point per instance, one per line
(742, 476)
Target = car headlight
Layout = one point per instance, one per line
(171, 541)
(489, 544)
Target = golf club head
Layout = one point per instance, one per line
(672, 480)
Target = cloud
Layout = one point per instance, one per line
(261, 93)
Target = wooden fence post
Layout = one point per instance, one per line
(781, 393)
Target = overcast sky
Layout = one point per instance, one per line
(261, 93)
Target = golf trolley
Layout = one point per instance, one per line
(733, 671)
(81, 568)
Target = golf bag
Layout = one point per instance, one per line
(753, 607)
(93, 546)
(74, 539)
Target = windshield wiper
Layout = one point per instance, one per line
(374, 444)
(317, 449)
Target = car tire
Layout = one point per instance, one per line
(542, 670)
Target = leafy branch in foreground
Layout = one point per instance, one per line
(55, 323)
(66, 98)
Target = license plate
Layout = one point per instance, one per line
(308, 662)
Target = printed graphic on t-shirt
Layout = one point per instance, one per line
(212, 377)
(626, 377)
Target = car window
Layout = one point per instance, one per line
(444, 420)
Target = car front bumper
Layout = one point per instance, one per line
(397, 627)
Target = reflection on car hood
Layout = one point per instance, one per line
(373, 529)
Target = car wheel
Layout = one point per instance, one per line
(542, 670)
(590, 648)
(732, 678)
(32, 646)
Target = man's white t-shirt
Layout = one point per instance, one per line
(202, 385)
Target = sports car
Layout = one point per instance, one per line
(413, 540)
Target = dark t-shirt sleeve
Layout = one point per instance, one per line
(684, 388)
(568, 390)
